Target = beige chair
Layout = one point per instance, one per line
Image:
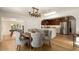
(37, 39)
(47, 37)
(49, 34)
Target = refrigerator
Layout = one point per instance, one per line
(63, 29)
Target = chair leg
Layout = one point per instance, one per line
(30, 44)
(50, 43)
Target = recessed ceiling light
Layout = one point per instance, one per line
(47, 14)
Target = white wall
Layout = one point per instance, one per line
(32, 22)
(74, 13)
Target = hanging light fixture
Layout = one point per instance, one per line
(35, 12)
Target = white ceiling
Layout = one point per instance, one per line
(43, 10)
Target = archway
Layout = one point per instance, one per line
(67, 24)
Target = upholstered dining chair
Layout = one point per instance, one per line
(37, 39)
(48, 35)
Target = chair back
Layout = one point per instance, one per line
(47, 34)
(37, 39)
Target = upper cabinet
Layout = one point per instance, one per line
(50, 22)
(55, 21)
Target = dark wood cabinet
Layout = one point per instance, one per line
(55, 21)
(50, 22)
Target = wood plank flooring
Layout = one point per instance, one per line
(59, 43)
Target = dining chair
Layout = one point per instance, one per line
(37, 39)
(49, 34)
(25, 40)
(47, 37)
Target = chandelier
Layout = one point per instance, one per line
(35, 12)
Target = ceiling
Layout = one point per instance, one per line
(21, 10)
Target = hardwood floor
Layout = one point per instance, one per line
(59, 43)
